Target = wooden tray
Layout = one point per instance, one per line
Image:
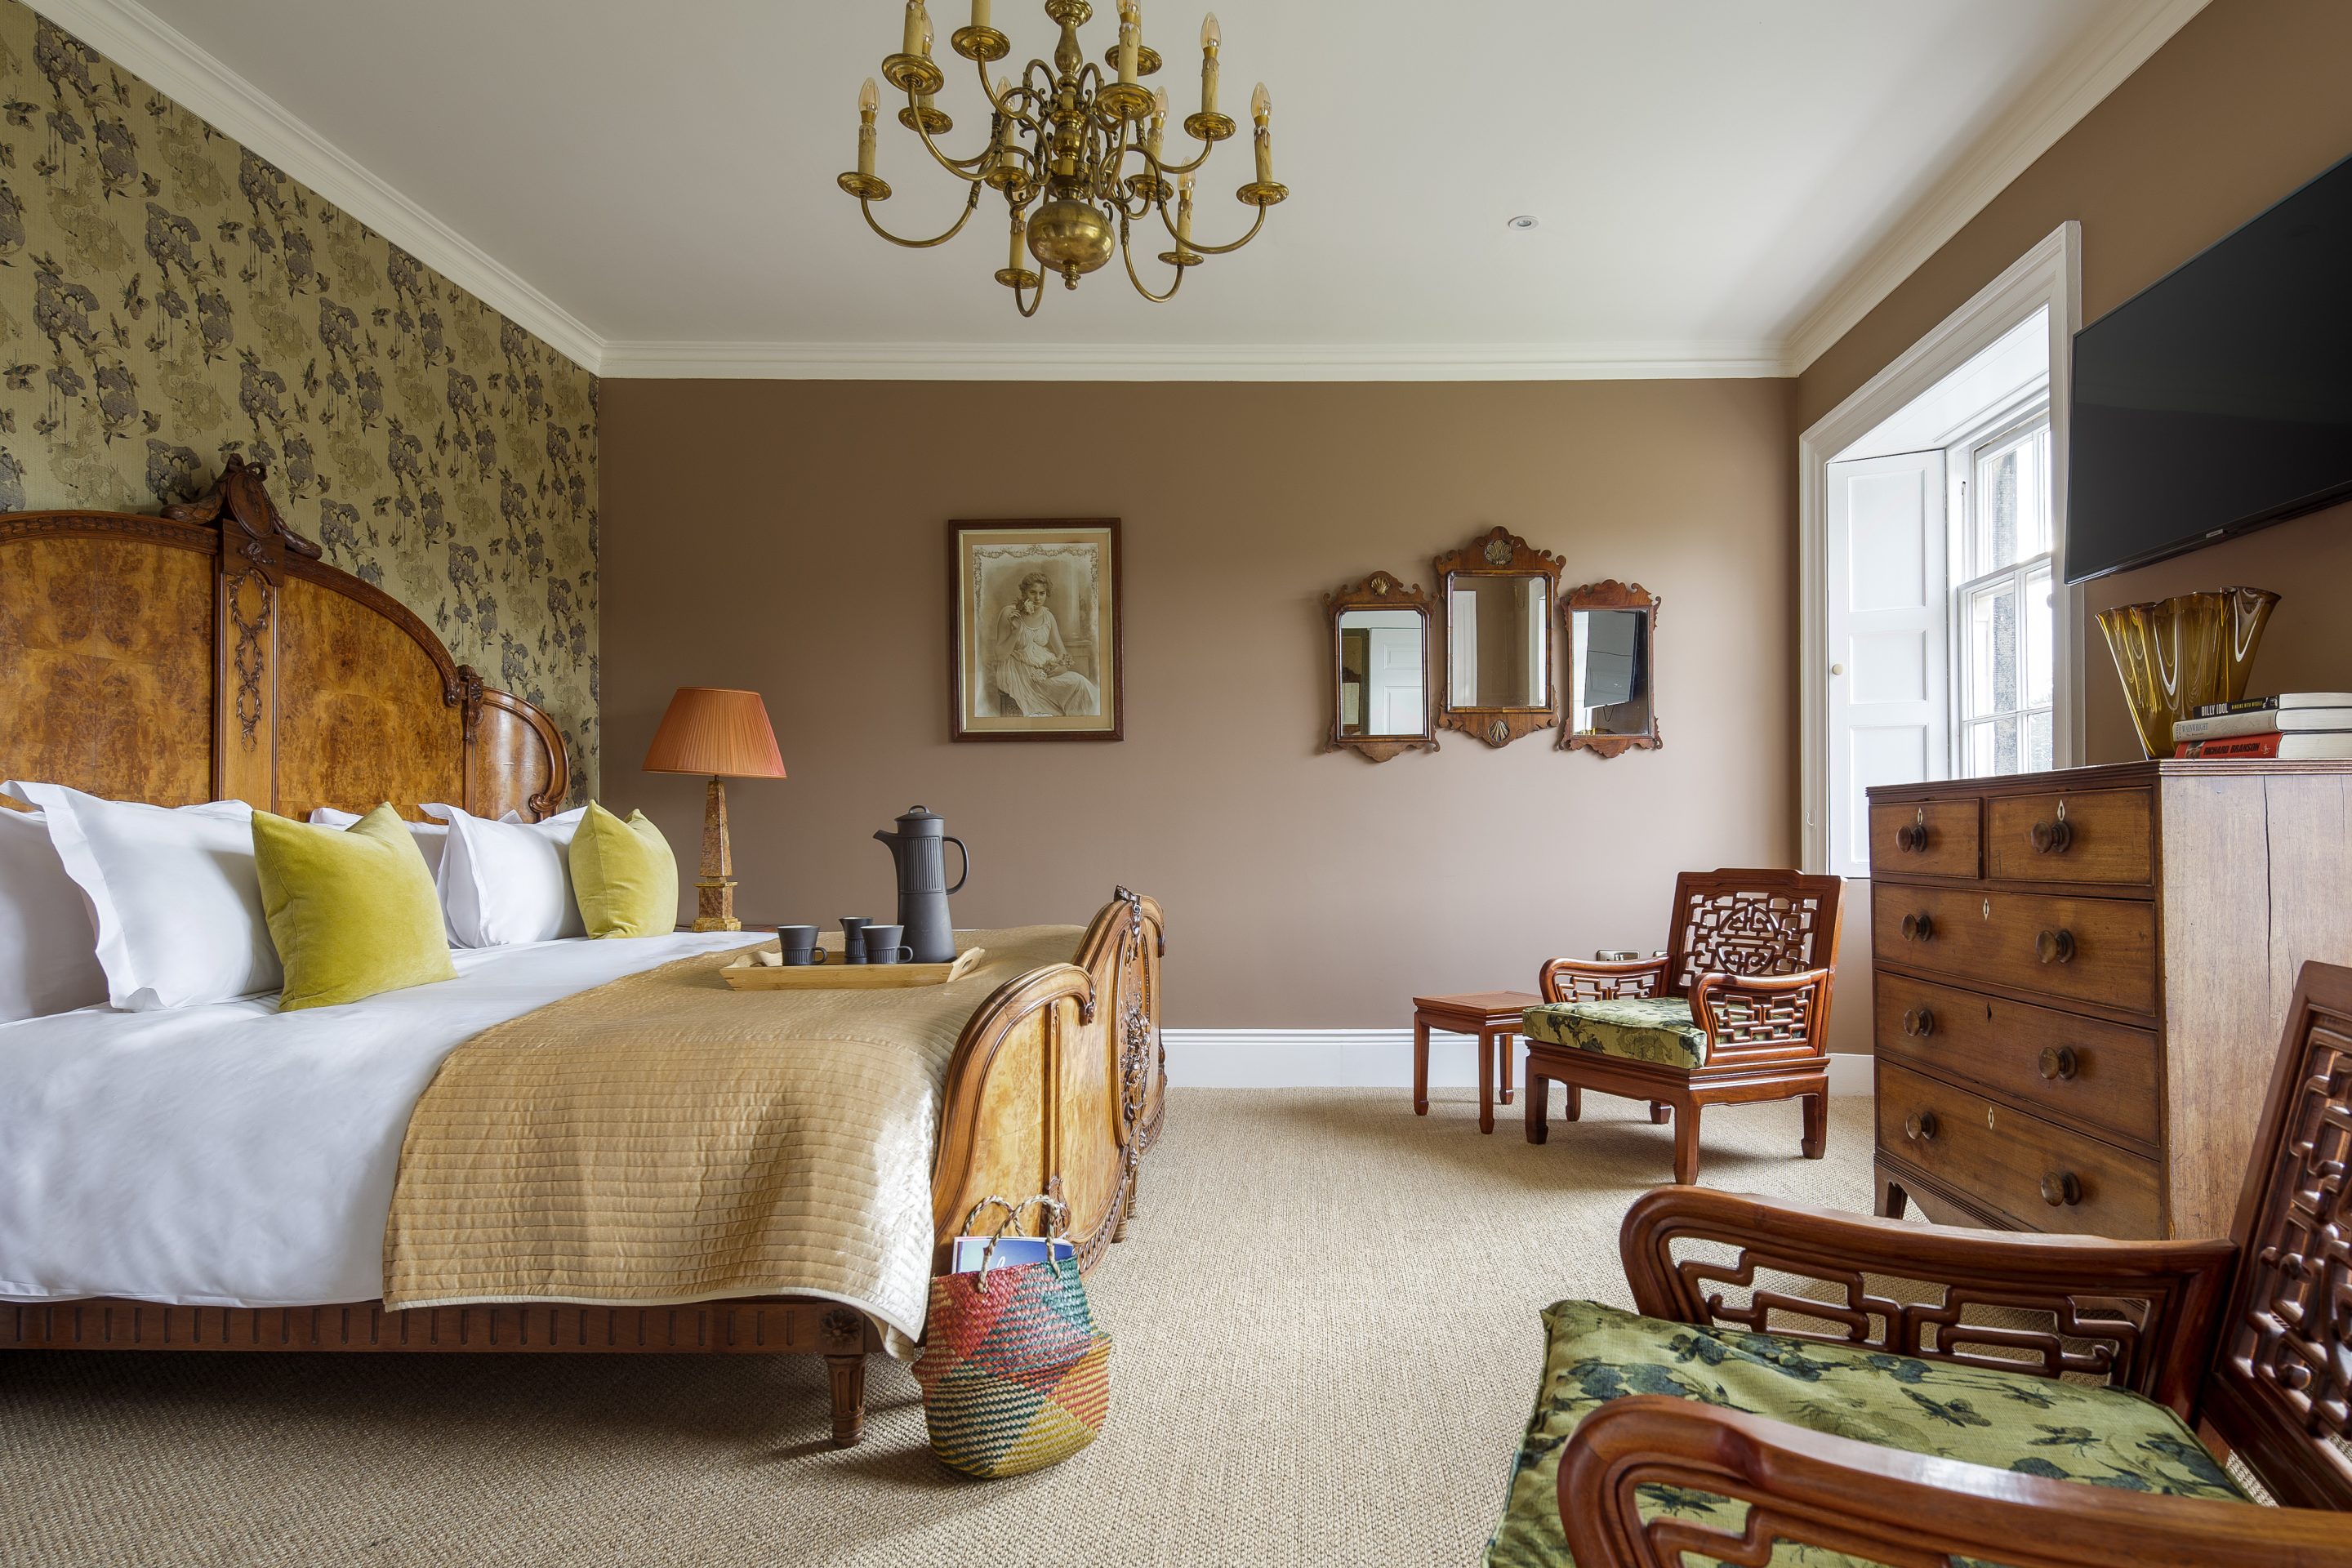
(746, 975)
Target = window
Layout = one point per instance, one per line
(2001, 615)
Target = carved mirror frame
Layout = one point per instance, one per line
(1381, 591)
(1610, 595)
(1498, 552)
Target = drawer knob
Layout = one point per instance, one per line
(2058, 1062)
(2060, 1189)
(1919, 1023)
(1918, 928)
(2050, 837)
(2055, 947)
(1912, 838)
(1920, 1126)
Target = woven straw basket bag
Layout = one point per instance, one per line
(1014, 1374)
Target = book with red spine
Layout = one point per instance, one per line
(2304, 747)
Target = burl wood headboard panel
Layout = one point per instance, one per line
(210, 654)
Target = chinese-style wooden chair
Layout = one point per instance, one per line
(2248, 1338)
(1737, 1010)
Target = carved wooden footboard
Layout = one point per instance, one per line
(115, 628)
(1058, 1085)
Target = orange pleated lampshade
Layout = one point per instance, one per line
(716, 734)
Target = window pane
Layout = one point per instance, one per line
(2005, 746)
(2038, 751)
(2040, 639)
(2009, 519)
(1992, 650)
(1976, 749)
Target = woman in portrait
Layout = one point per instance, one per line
(1030, 665)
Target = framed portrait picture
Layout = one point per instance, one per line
(1034, 630)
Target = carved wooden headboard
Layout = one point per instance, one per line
(210, 654)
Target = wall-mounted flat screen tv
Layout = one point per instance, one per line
(2220, 399)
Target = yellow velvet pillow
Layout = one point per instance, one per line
(623, 874)
(352, 910)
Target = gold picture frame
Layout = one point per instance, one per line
(1035, 630)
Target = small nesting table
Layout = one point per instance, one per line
(1494, 1017)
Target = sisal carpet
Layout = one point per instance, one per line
(1327, 1344)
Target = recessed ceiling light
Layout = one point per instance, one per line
(1524, 221)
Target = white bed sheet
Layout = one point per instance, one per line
(232, 1156)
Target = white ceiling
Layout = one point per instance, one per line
(1724, 184)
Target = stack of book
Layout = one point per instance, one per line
(2294, 727)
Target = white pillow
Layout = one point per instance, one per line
(49, 948)
(432, 837)
(505, 882)
(173, 894)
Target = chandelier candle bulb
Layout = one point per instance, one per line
(868, 99)
(1158, 125)
(1261, 109)
(1210, 38)
(1130, 41)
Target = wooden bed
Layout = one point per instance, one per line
(211, 653)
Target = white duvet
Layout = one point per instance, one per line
(232, 1156)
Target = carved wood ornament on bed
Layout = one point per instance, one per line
(211, 653)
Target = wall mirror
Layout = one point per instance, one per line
(1380, 653)
(1611, 630)
(1498, 593)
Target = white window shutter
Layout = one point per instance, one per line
(1889, 649)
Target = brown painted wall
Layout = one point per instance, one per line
(791, 537)
(2246, 103)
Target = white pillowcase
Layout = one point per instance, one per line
(432, 837)
(175, 896)
(49, 948)
(504, 882)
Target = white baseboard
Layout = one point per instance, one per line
(1359, 1058)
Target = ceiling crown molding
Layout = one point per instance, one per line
(168, 60)
(1190, 362)
(2070, 90)
(134, 39)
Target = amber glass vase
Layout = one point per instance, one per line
(2177, 654)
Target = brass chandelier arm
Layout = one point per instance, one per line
(1126, 251)
(971, 206)
(956, 166)
(1195, 245)
(1036, 298)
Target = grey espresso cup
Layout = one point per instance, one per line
(852, 938)
(799, 944)
(883, 946)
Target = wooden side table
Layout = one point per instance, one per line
(1494, 1017)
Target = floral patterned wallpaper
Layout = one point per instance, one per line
(167, 296)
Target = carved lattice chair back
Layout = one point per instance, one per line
(2279, 1388)
(1754, 923)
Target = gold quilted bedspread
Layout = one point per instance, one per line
(662, 1138)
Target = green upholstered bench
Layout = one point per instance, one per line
(1639, 1029)
(2008, 1420)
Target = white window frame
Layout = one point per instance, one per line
(2028, 414)
(2050, 275)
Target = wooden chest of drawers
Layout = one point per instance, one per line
(2079, 980)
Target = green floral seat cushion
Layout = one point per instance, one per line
(2010, 1421)
(1644, 1029)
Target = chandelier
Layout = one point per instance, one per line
(1074, 148)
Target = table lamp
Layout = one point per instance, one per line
(722, 735)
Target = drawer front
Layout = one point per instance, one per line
(2106, 836)
(2101, 951)
(1924, 838)
(2039, 1173)
(2082, 1072)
